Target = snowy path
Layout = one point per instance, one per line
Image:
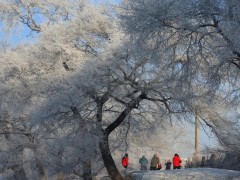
(191, 173)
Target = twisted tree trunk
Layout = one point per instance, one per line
(108, 160)
(104, 143)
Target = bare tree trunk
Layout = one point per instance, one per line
(41, 171)
(104, 144)
(108, 160)
(60, 176)
(87, 169)
(87, 172)
(19, 173)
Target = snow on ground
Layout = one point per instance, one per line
(180, 174)
(190, 173)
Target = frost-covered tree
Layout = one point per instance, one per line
(29, 74)
(84, 81)
(223, 120)
(200, 39)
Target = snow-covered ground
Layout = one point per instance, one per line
(191, 173)
(180, 174)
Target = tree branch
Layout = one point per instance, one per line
(132, 104)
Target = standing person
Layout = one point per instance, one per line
(154, 162)
(176, 162)
(168, 165)
(159, 166)
(125, 161)
(203, 161)
(143, 161)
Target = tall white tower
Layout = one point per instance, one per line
(197, 131)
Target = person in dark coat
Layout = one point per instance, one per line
(168, 165)
(176, 162)
(154, 162)
(143, 162)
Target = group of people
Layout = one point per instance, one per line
(155, 162)
(156, 165)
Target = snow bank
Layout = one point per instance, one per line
(191, 173)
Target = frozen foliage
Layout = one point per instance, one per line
(199, 37)
(41, 81)
(85, 85)
(34, 13)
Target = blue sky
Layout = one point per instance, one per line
(97, 1)
(16, 36)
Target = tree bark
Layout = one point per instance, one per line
(108, 160)
(104, 144)
(87, 172)
(87, 168)
(19, 173)
(41, 171)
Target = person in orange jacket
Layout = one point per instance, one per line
(125, 161)
(176, 162)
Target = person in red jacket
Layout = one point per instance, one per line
(125, 161)
(176, 162)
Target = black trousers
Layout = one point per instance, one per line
(153, 168)
(176, 167)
